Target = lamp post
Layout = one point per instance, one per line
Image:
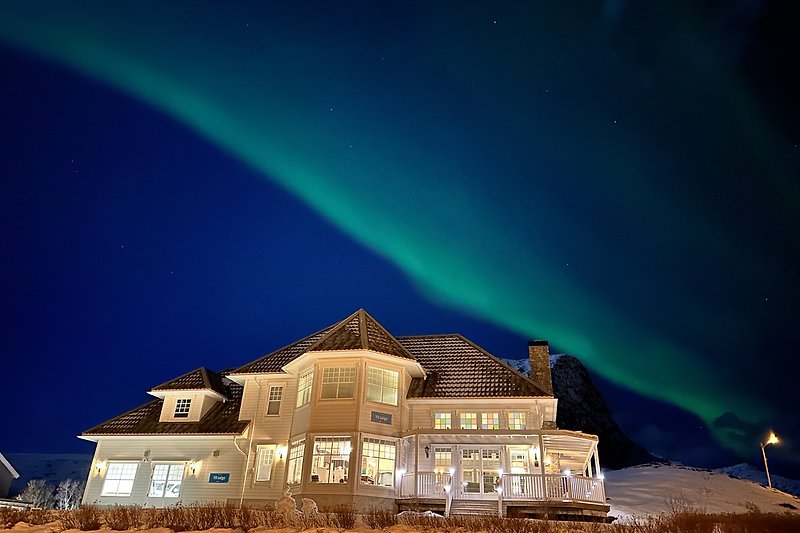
(773, 439)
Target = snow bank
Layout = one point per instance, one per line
(656, 489)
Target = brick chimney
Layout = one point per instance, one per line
(539, 353)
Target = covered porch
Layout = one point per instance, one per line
(522, 473)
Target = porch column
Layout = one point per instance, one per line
(596, 461)
(416, 465)
(541, 467)
(455, 463)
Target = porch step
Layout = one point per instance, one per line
(473, 507)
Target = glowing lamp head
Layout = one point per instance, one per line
(773, 439)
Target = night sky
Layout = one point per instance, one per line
(197, 184)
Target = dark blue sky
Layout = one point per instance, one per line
(186, 188)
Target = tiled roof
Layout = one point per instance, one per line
(274, 361)
(361, 331)
(200, 379)
(221, 419)
(457, 368)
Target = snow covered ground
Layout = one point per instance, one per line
(52, 467)
(654, 489)
(747, 471)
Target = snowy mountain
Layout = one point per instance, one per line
(750, 473)
(581, 407)
(654, 489)
(52, 467)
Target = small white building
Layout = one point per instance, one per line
(353, 415)
(7, 476)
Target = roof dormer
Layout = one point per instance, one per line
(190, 396)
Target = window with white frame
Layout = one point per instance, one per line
(331, 460)
(304, 388)
(265, 455)
(119, 479)
(166, 481)
(516, 420)
(443, 420)
(377, 462)
(468, 420)
(182, 407)
(338, 382)
(274, 401)
(382, 385)
(490, 420)
(294, 472)
(442, 459)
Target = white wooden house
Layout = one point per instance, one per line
(353, 415)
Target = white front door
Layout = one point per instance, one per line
(480, 471)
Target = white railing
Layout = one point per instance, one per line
(552, 487)
(429, 485)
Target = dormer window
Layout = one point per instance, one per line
(182, 406)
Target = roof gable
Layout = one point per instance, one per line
(459, 368)
(199, 379)
(360, 331)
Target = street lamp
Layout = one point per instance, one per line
(773, 439)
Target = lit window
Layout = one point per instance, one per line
(331, 460)
(338, 382)
(119, 479)
(469, 420)
(377, 462)
(274, 402)
(265, 455)
(295, 462)
(442, 420)
(182, 406)
(304, 388)
(490, 420)
(166, 481)
(442, 459)
(382, 386)
(516, 420)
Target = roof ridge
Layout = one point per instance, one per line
(378, 325)
(334, 328)
(426, 335)
(200, 369)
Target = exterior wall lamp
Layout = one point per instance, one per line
(427, 451)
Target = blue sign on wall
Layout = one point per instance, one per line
(381, 418)
(219, 478)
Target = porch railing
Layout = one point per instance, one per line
(553, 487)
(429, 485)
(515, 487)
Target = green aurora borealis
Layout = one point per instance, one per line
(505, 162)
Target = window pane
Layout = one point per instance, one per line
(119, 479)
(516, 420)
(469, 420)
(182, 406)
(338, 382)
(331, 460)
(304, 388)
(378, 462)
(442, 421)
(490, 420)
(295, 463)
